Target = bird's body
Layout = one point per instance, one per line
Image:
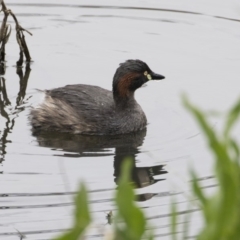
(92, 110)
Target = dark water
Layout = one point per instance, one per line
(197, 49)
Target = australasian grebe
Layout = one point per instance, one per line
(85, 109)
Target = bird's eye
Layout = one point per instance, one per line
(149, 77)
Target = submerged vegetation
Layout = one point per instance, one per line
(220, 211)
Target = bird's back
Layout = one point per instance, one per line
(74, 108)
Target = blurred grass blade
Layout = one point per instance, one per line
(236, 151)
(174, 220)
(197, 190)
(82, 216)
(221, 210)
(186, 223)
(130, 214)
(233, 116)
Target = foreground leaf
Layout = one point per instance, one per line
(82, 216)
(133, 220)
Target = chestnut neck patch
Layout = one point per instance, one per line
(127, 85)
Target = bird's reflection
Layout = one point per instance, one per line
(125, 146)
(141, 176)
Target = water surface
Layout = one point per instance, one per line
(196, 48)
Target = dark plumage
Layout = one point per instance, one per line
(85, 109)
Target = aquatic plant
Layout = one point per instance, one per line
(220, 211)
(5, 32)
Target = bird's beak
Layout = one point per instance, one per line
(155, 76)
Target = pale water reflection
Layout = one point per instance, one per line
(196, 46)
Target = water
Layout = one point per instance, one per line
(195, 46)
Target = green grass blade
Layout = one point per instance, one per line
(222, 210)
(82, 216)
(233, 116)
(131, 215)
(174, 221)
